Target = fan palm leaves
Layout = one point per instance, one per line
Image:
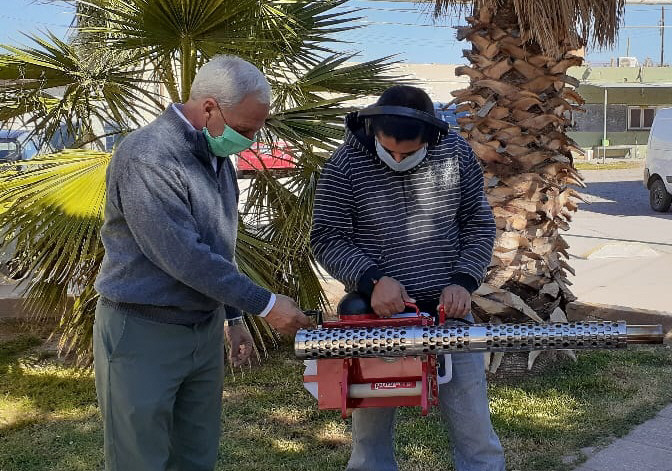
(55, 86)
(126, 58)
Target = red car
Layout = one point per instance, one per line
(274, 157)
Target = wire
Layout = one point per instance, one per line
(390, 23)
(28, 20)
(395, 10)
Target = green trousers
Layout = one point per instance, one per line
(159, 388)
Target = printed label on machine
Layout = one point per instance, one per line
(393, 385)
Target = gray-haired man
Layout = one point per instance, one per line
(169, 285)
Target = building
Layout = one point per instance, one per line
(633, 95)
(438, 80)
(628, 97)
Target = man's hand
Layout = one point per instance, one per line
(456, 301)
(286, 317)
(240, 344)
(388, 297)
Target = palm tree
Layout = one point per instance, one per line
(519, 102)
(124, 57)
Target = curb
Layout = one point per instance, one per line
(12, 308)
(578, 311)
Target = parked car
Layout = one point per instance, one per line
(17, 145)
(658, 166)
(448, 114)
(22, 144)
(276, 157)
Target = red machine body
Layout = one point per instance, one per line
(374, 382)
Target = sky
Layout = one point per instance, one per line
(31, 16)
(387, 28)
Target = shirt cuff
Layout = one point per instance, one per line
(365, 284)
(466, 281)
(269, 306)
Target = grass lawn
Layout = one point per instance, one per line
(598, 165)
(49, 419)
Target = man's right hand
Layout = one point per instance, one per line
(388, 297)
(286, 317)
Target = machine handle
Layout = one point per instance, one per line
(316, 313)
(413, 306)
(442, 317)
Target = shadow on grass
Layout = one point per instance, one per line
(48, 416)
(37, 386)
(270, 422)
(57, 445)
(601, 396)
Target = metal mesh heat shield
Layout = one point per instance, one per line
(418, 340)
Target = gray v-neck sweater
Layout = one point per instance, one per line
(170, 229)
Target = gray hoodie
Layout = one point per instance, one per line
(170, 229)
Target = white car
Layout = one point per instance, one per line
(658, 166)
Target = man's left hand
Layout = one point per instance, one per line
(456, 301)
(241, 344)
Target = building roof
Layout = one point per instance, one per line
(623, 77)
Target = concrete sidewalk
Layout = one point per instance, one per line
(622, 252)
(646, 448)
(620, 248)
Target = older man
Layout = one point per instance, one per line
(169, 285)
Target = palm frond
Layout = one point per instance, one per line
(53, 85)
(121, 50)
(549, 23)
(334, 75)
(53, 218)
(270, 32)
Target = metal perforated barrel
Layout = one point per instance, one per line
(412, 341)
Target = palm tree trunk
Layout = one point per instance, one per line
(520, 104)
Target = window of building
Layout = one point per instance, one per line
(640, 117)
(112, 139)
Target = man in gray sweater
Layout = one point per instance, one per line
(169, 285)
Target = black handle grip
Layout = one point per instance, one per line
(316, 313)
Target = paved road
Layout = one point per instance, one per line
(620, 248)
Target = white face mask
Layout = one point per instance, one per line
(407, 163)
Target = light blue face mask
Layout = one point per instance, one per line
(409, 162)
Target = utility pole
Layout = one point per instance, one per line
(662, 36)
